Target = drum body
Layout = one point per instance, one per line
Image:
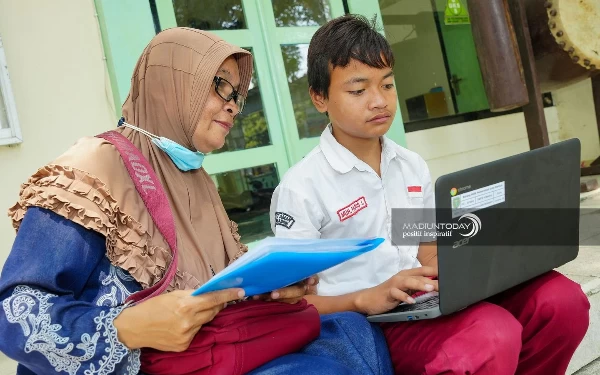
(565, 36)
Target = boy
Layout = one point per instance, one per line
(347, 186)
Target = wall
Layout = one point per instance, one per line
(55, 61)
(576, 117)
(455, 147)
(411, 31)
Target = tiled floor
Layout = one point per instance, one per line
(7, 366)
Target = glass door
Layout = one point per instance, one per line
(437, 71)
(279, 124)
(247, 169)
(290, 24)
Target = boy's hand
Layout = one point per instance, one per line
(313, 282)
(389, 294)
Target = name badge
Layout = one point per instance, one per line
(352, 209)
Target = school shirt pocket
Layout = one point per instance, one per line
(416, 202)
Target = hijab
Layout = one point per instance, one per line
(90, 186)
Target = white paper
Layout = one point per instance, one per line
(478, 199)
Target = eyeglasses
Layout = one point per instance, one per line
(226, 91)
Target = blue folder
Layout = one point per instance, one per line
(279, 262)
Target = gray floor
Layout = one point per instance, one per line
(591, 369)
(586, 267)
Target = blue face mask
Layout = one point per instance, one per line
(183, 158)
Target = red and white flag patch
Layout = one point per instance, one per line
(352, 209)
(415, 191)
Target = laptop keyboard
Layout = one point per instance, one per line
(423, 304)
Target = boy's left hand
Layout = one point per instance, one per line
(293, 293)
(313, 282)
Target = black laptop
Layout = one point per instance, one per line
(497, 225)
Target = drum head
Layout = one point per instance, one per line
(575, 25)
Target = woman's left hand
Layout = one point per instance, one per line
(293, 293)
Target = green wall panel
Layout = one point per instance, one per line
(126, 27)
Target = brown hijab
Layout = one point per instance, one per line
(90, 185)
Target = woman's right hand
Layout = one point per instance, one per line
(389, 294)
(170, 321)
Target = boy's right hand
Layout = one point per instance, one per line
(388, 295)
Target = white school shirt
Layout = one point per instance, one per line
(331, 193)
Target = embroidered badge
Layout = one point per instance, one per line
(352, 209)
(284, 220)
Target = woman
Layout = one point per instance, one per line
(86, 242)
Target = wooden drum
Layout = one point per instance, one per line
(565, 35)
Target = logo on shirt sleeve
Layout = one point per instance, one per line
(284, 220)
(352, 209)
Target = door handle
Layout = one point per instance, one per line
(455, 84)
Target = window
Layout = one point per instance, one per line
(279, 124)
(9, 125)
(301, 12)
(309, 121)
(210, 15)
(437, 71)
(246, 195)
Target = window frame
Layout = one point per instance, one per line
(12, 134)
(369, 8)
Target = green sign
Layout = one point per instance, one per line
(456, 13)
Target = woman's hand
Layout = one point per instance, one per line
(291, 294)
(388, 295)
(170, 321)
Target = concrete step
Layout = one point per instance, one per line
(589, 349)
(591, 369)
(586, 271)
